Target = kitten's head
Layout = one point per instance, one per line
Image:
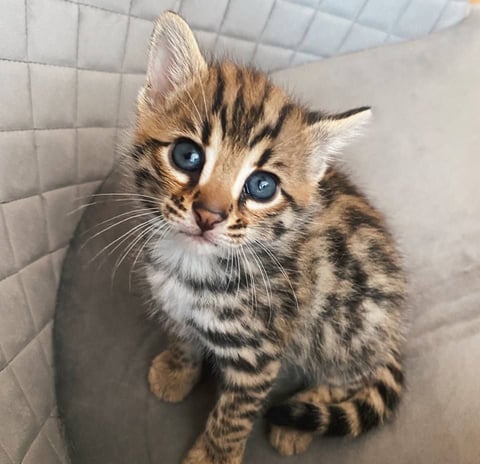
(229, 157)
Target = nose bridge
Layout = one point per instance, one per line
(216, 195)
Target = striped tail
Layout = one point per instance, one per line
(362, 411)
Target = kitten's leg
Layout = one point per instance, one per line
(175, 371)
(241, 399)
(308, 413)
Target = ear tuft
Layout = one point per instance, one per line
(174, 56)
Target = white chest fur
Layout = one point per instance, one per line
(170, 276)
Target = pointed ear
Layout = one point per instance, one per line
(174, 56)
(330, 133)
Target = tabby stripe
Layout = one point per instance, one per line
(229, 428)
(266, 155)
(213, 447)
(302, 416)
(206, 131)
(367, 415)
(389, 396)
(229, 288)
(356, 218)
(140, 150)
(228, 340)
(223, 120)
(249, 415)
(142, 176)
(272, 132)
(173, 211)
(397, 373)
(218, 97)
(237, 111)
(259, 388)
(242, 365)
(284, 112)
(289, 198)
(338, 424)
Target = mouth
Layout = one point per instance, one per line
(198, 237)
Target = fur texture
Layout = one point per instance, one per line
(309, 278)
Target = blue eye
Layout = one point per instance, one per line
(261, 186)
(187, 156)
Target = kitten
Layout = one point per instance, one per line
(263, 254)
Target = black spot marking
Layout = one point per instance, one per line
(279, 229)
(236, 226)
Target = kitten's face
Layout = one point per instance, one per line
(228, 157)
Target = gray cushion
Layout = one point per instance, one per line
(419, 163)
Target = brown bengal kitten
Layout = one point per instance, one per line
(262, 254)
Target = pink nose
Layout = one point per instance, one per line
(206, 217)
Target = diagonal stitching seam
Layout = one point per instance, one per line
(222, 22)
(399, 17)
(10, 460)
(120, 85)
(439, 16)
(349, 30)
(305, 32)
(37, 434)
(262, 32)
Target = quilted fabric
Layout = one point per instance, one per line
(69, 71)
(423, 175)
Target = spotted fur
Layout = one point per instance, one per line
(310, 278)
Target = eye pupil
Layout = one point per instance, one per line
(187, 156)
(261, 186)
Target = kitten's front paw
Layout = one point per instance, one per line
(170, 379)
(199, 455)
(289, 441)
